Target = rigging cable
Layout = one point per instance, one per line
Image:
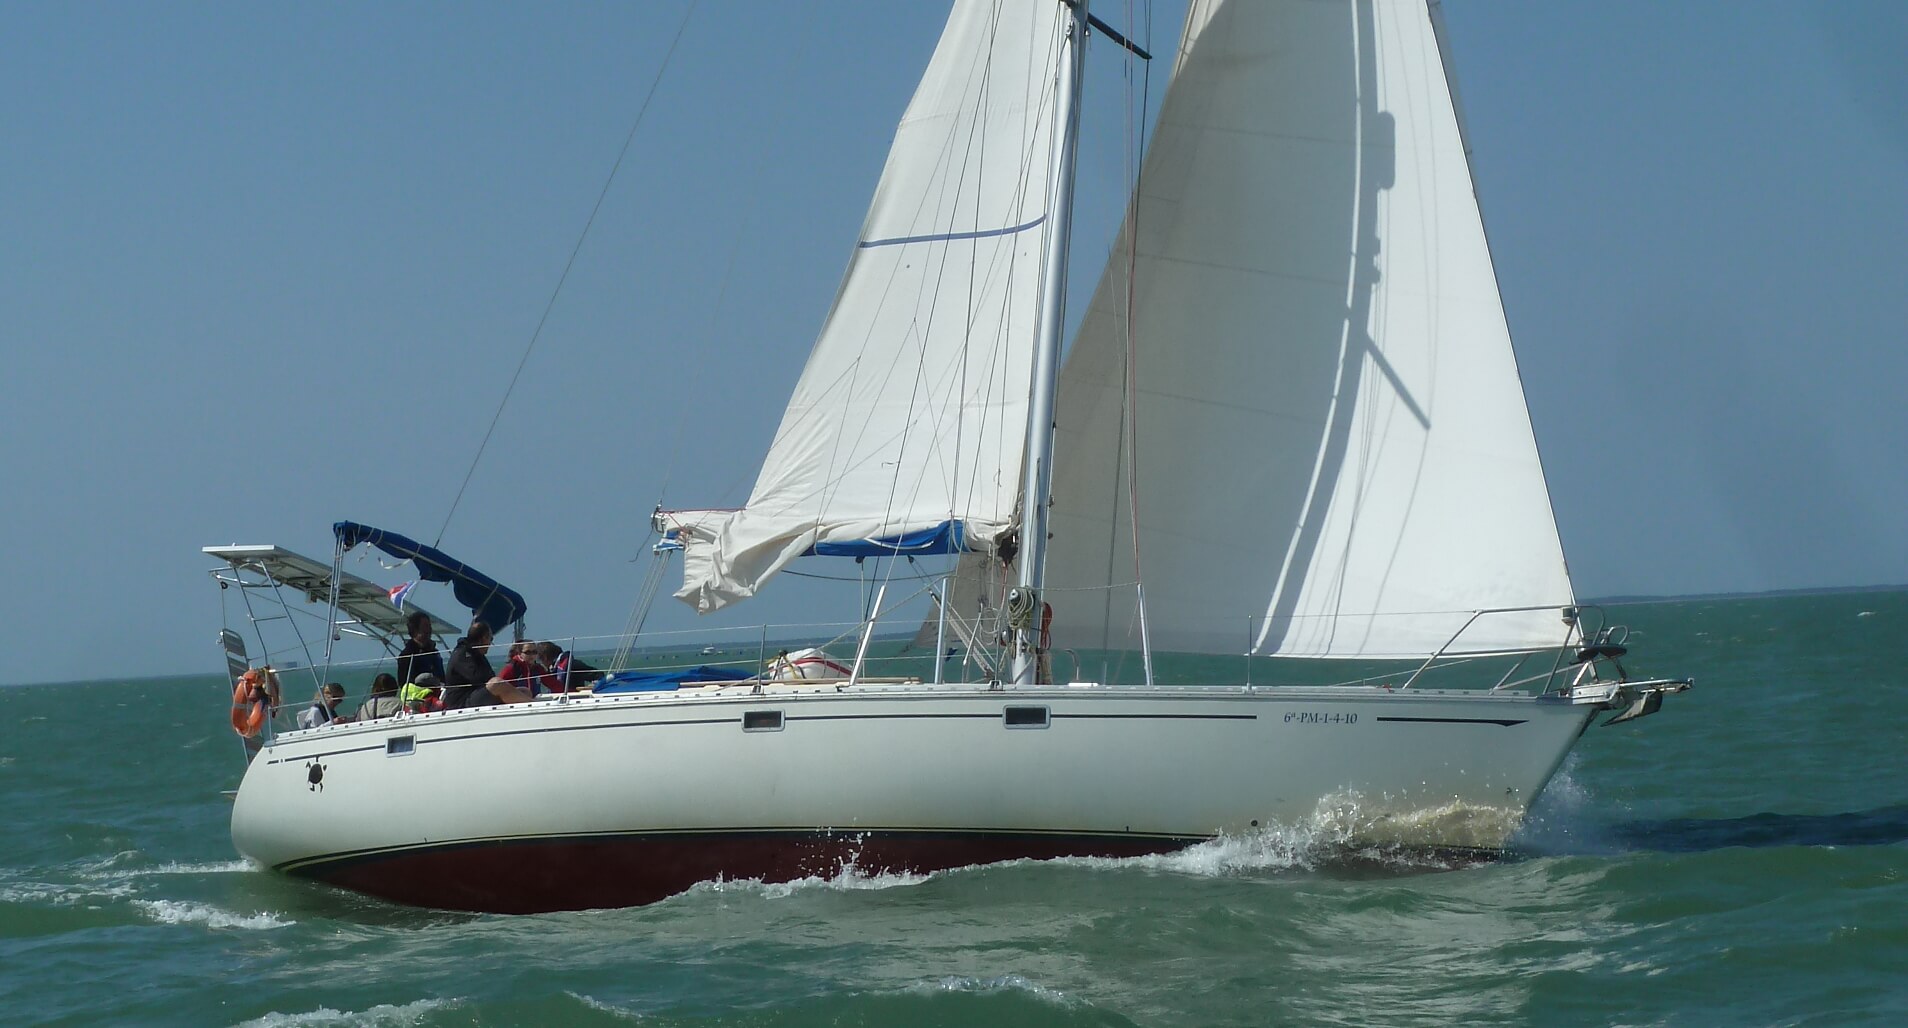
(1132, 344)
(1126, 452)
(652, 584)
(554, 293)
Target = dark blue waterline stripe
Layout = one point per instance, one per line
(868, 244)
(1506, 722)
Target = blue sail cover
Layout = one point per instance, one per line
(946, 537)
(489, 600)
(667, 681)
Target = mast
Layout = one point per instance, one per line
(1036, 488)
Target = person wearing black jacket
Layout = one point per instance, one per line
(470, 670)
(420, 655)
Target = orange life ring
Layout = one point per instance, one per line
(251, 702)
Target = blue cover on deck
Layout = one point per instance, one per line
(664, 681)
(489, 600)
(946, 537)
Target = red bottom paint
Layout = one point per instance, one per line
(528, 876)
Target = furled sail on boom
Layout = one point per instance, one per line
(1329, 447)
(906, 429)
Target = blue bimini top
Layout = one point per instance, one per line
(489, 600)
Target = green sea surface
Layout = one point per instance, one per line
(1740, 858)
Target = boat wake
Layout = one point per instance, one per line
(1007, 983)
(46, 894)
(848, 878)
(382, 1014)
(1345, 833)
(183, 912)
(118, 887)
(601, 1007)
(218, 867)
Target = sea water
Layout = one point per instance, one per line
(1737, 859)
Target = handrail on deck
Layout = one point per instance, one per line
(1572, 615)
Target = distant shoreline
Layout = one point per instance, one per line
(1825, 590)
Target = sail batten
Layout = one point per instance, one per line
(1333, 455)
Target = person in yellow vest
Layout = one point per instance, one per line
(423, 695)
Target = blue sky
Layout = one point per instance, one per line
(265, 267)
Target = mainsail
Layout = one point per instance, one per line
(906, 430)
(1327, 451)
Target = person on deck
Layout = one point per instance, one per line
(419, 655)
(469, 667)
(471, 682)
(566, 672)
(324, 709)
(423, 695)
(524, 670)
(383, 701)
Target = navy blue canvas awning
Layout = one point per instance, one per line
(489, 600)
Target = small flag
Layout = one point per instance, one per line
(399, 592)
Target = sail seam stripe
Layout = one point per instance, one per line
(945, 237)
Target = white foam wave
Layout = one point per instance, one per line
(180, 912)
(608, 1008)
(848, 878)
(217, 867)
(1341, 829)
(1004, 983)
(46, 894)
(382, 1014)
(99, 867)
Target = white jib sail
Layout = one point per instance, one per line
(910, 415)
(1333, 455)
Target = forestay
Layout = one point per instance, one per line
(905, 432)
(1331, 448)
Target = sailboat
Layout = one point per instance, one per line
(1289, 431)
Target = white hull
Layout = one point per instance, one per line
(617, 800)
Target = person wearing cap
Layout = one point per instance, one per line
(422, 695)
(324, 709)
